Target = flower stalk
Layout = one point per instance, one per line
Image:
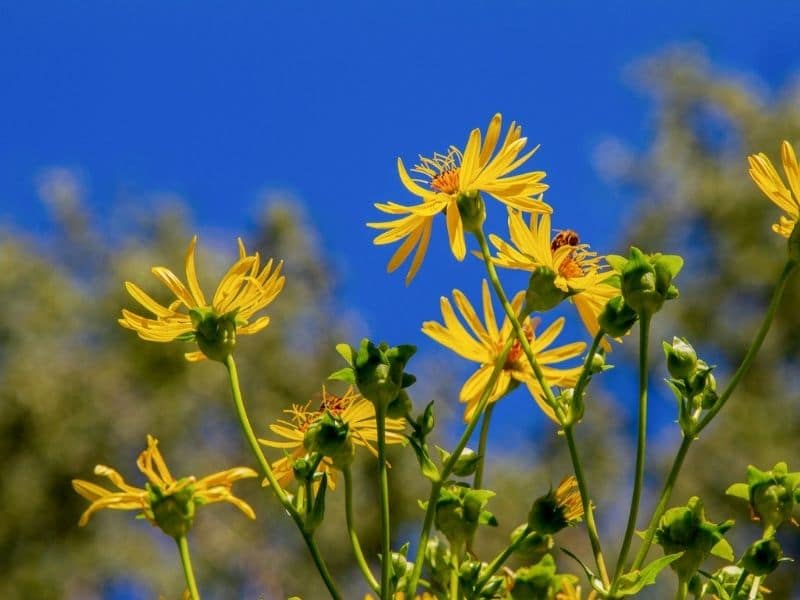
(186, 561)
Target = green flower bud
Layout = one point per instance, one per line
(557, 509)
(330, 437)
(772, 494)
(646, 281)
(598, 364)
(762, 557)
(304, 468)
(379, 371)
(700, 379)
(681, 358)
(466, 463)
(534, 546)
(459, 511)
(535, 582)
(709, 397)
(472, 209)
(686, 529)
(617, 317)
(215, 334)
(542, 293)
(173, 513)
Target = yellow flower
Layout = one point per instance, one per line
(444, 178)
(485, 344)
(578, 270)
(243, 291)
(351, 408)
(402, 596)
(766, 177)
(568, 500)
(161, 485)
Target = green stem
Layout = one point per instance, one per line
(583, 378)
(683, 589)
(447, 468)
(755, 346)
(482, 442)
(252, 441)
(644, 338)
(739, 584)
(744, 366)
(454, 569)
(549, 397)
(661, 507)
(351, 530)
(186, 561)
(500, 559)
(386, 544)
(588, 509)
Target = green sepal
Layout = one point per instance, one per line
(189, 336)
(314, 519)
(429, 469)
(487, 518)
(739, 490)
(722, 549)
(345, 374)
(347, 352)
(616, 261)
(467, 463)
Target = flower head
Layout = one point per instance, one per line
(787, 199)
(578, 271)
(485, 344)
(558, 508)
(243, 291)
(165, 501)
(444, 180)
(352, 409)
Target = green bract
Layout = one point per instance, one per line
(173, 513)
(542, 293)
(472, 209)
(215, 334)
(330, 437)
(646, 280)
(617, 317)
(772, 494)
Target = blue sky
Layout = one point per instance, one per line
(318, 100)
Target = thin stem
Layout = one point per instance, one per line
(482, 443)
(661, 507)
(739, 584)
(186, 561)
(252, 441)
(549, 397)
(744, 366)
(754, 588)
(500, 559)
(683, 589)
(454, 568)
(644, 338)
(583, 378)
(755, 346)
(588, 510)
(386, 544)
(447, 467)
(351, 530)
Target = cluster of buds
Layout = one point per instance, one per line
(459, 511)
(540, 581)
(685, 529)
(692, 382)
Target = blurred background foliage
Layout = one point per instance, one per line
(78, 390)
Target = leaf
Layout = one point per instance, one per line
(595, 581)
(739, 490)
(345, 374)
(347, 352)
(632, 583)
(487, 518)
(722, 549)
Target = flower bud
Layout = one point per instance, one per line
(617, 317)
(466, 463)
(330, 437)
(557, 509)
(379, 371)
(472, 209)
(173, 513)
(681, 358)
(400, 406)
(459, 511)
(762, 557)
(772, 493)
(542, 293)
(646, 281)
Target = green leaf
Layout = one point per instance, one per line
(345, 374)
(633, 582)
(722, 549)
(739, 490)
(595, 581)
(347, 352)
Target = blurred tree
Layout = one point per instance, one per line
(693, 196)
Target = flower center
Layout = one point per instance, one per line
(332, 403)
(446, 181)
(515, 354)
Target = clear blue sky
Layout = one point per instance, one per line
(319, 99)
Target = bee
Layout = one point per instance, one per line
(567, 237)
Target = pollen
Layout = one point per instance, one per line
(446, 181)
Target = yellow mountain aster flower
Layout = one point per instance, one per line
(351, 408)
(578, 270)
(443, 178)
(766, 177)
(162, 491)
(243, 291)
(485, 344)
